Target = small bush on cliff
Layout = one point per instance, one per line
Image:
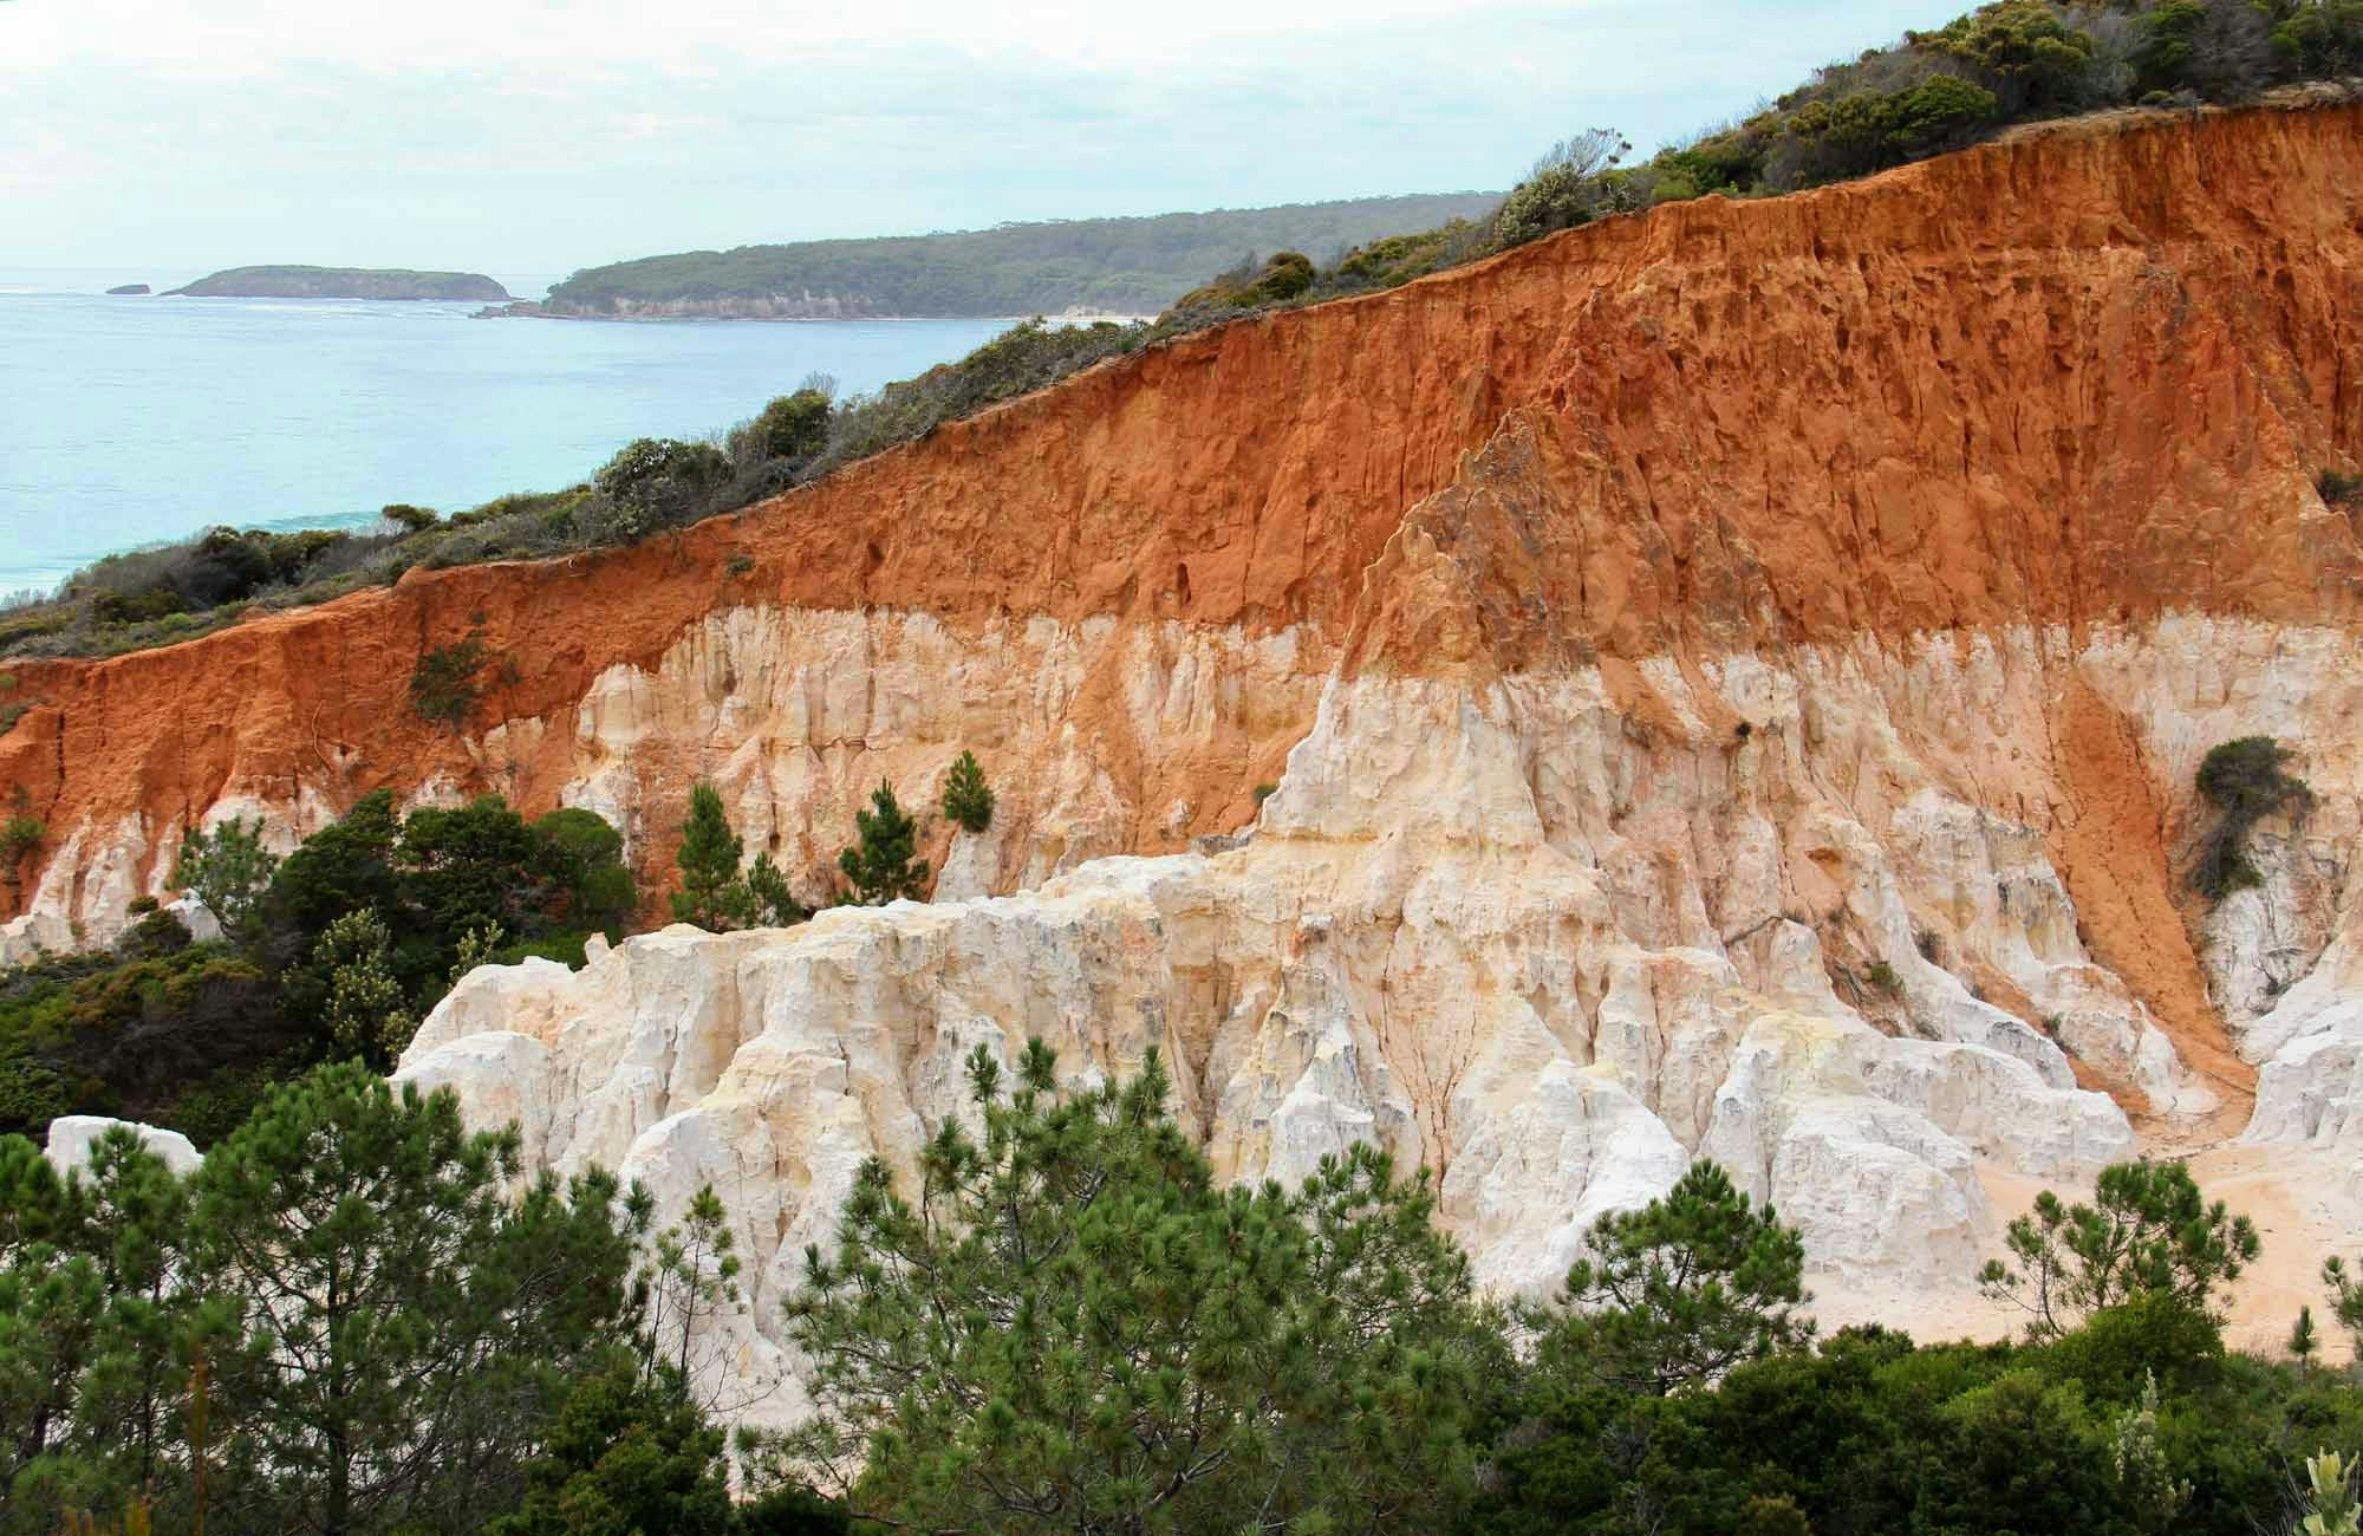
(795, 427)
(20, 834)
(880, 867)
(968, 800)
(2338, 489)
(228, 869)
(1567, 187)
(449, 679)
(654, 483)
(1286, 275)
(2246, 781)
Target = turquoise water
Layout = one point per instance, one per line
(128, 421)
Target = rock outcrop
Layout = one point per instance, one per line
(1732, 680)
(72, 1138)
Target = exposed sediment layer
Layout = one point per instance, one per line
(1733, 679)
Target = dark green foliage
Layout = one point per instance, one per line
(2245, 780)
(388, 1338)
(581, 858)
(1073, 1329)
(134, 1035)
(881, 867)
(2338, 489)
(654, 483)
(1398, 259)
(344, 866)
(1870, 1435)
(1022, 359)
(714, 894)
(20, 834)
(2147, 1233)
(1251, 286)
(968, 800)
(794, 426)
(2304, 1342)
(1883, 979)
(2026, 51)
(629, 1454)
(408, 518)
(1675, 1294)
(228, 869)
(449, 679)
(2346, 1298)
(710, 894)
(189, 1035)
(774, 904)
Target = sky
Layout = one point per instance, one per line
(540, 136)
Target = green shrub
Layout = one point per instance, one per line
(20, 834)
(881, 866)
(1567, 187)
(2336, 488)
(408, 518)
(655, 483)
(2245, 780)
(968, 800)
(1883, 979)
(795, 426)
(227, 869)
(32, 1093)
(449, 679)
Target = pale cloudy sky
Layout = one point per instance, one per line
(536, 136)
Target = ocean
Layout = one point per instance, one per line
(132, 421)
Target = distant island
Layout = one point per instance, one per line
(341, 283)
(1105, 266)
(129, 290)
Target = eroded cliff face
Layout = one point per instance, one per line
(1733, 679)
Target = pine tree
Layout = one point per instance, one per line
(2147, 1232)
(227, 869)
(400, 1326)
(692, 1276)
(1071, 1327)
(2304, 1344)
(968, 800)
(1675, 1294)
(881, 866)
(770, 902)
(711, 894)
